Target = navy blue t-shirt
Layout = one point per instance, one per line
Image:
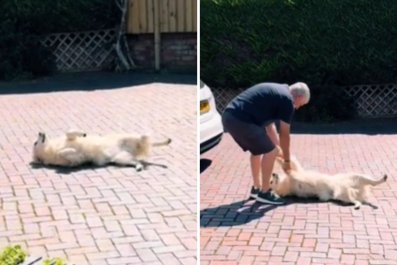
(263, 103)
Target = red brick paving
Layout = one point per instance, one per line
(234, 231)
(108, 215)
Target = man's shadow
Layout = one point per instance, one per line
(90, 166)
(204, 164)
(237, 213)
(245, 211)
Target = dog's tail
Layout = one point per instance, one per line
(367, 180)
(165, 142)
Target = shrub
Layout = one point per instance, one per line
(327, 104)
(325, 43)
(321, 42)
(54, 261)
(12, 255)
(25, 21)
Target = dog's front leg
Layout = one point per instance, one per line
(72, 156)
(73, 134)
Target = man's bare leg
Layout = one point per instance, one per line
(265, 195)
(267, 168)
(256, 170)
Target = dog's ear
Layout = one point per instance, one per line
(42, 137)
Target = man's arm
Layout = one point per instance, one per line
(284, 143)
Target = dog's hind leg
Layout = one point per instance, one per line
(363, 197)
(73, 134)
(353, 195)
(357, 205)
(126, 159)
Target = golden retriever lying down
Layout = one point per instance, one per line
(345, 187)
(77, 148)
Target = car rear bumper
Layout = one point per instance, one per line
(211, 132)
(207, 145)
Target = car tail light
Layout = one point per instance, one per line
(204, 106)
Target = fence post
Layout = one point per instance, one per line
(157, 35)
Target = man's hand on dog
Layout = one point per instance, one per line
(287, 166)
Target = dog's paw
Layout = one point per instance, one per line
(139, 167)
(385, 177)
(357, 205)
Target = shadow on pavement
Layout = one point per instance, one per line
(69, 170)
(245, 211)
(237, 213)
(92, 81)
(204, 164)
(361, 126)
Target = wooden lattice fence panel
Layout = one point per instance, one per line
(372, 101)
(82, 51)
(224, 96)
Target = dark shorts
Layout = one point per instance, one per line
(249, 136)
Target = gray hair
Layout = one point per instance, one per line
(300, 89)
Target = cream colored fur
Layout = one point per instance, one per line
(76, 148)
(345, 187)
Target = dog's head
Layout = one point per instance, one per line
(39, 146)
(274, 181)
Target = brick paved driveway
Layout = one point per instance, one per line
(234, 231)
(108, 215)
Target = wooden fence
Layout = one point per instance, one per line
(174, 16)
(82, 51)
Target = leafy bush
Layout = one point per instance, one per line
(54, 261)
(22, 56)
(321, 42)
(12, 255)
(24, 21)
(324, 43)
(327, 104)
(49, 16)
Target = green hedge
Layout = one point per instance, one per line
(339, 42)
(320, 42)
(49, 16)
(24, 21)
(327, 104)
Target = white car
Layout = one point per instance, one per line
(211, 128)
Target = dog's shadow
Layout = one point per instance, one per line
(89, 166)
(294, 199)
(245, 211)
(314, 200)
